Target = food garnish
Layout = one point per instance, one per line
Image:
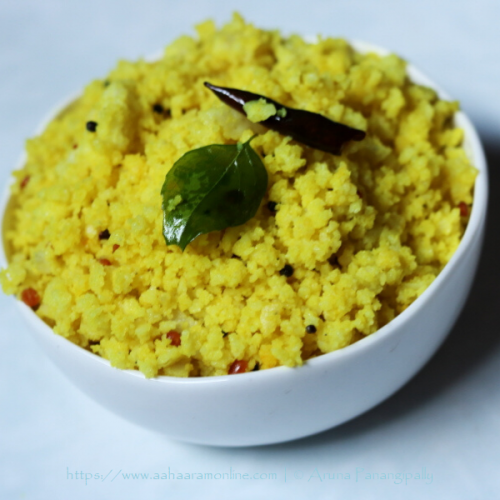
(464, 209)
(158, 108)
(238, 366)
(91, 126)
(25, 181)
(287, 271)
(211, 188)
(220, 186)
(272, 206)
(174, 337)
(312, 129)
(104, 235)
(31, 298)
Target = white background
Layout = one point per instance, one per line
(446, 420)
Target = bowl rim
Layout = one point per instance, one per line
(474, 151)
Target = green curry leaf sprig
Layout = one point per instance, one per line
(211, 188)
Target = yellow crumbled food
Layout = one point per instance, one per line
(365, 232)
(259, 110)
(281, 112)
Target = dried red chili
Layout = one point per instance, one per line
(105, 262)
(311, 129)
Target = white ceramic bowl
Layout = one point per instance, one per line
(285, 403)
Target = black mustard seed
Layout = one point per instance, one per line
(158, 108)
(104, 235)
(333, 260)
(287, 271)
(272, 206)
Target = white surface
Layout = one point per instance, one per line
(445, 421)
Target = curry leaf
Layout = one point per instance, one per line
(210, 189)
